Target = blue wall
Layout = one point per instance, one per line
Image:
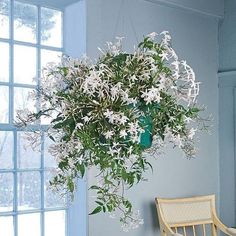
(75, 46)
(195, 38)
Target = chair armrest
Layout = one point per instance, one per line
(224, 228)
(231, 231)
(168, 231)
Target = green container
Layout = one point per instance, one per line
(146, 137)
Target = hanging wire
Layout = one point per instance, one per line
(121, 19)
(121, 7)
(133, 28)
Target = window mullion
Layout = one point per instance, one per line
(11, 74)
(15, 196)
(11, 115)
(38, 107)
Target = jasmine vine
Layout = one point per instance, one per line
(111, 113)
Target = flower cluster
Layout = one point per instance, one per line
(109, 114)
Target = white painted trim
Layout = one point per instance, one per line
(185, 8)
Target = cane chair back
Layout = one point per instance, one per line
(185, 216)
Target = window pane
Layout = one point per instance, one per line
(24, 64)
(6, 226)
(48, 56)
(25, 18)
(29, 224)
(49, 160)
(55, 218)
(52, 198)
(4, 104)
(28, 190)
(51, 27)
(26, 156)
(22, 101)
(6, 192)
(6, 150)
(4, 61)
(4, 18)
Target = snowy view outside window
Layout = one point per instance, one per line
(30, 37)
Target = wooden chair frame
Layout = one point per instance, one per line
(167, 229)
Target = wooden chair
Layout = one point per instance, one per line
(190, 216)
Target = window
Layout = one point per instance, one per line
(30, 37)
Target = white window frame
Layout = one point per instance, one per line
(11, 127)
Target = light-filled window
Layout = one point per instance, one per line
(30, 37)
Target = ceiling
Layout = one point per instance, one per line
(53, 3)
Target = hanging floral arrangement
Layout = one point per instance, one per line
(111, 113)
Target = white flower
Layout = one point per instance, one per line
(123, 119)
(132, 101)
(130, 150)
(177, 140)
(133, 127)
(148, 98)
(112, 151)
(108, 113)
(71, 163)
(176, 74)
(114, 92)
(187, 119)
(79, 125)
(191, 133)
(172, 118)
(80, 160)
(151, 95)
(123, 133)
(152, 35)
(133, 78)
(109, 134)
(176, 64)
(166, 38)
(132, 222)
(135, 139)
(184, 64)
(179, 127)
(86, 119)
(172, 53)
(164, 56)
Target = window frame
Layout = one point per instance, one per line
(12, 128)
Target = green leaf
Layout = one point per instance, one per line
(99, 203)
(96, 210)
(94, 187)
(81, 169)
(50, 136)
(70, 185)
(195, 109)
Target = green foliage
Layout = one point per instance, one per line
(112, 114)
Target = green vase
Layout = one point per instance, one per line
(146, 137)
